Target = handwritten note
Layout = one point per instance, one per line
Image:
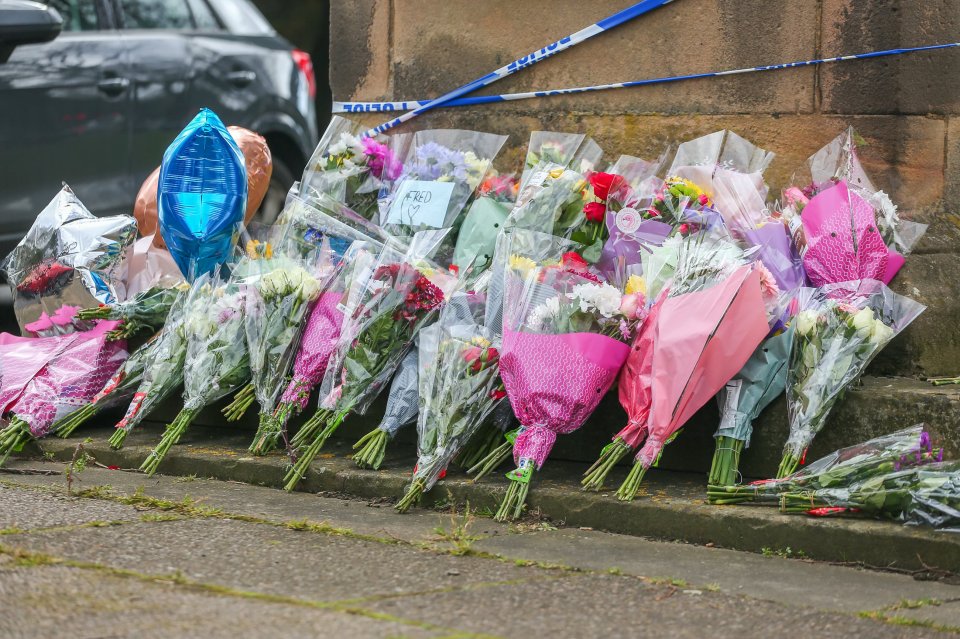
(419, 203)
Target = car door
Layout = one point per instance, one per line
(65, 113)
(162, 77)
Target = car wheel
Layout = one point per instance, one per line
(273, 202)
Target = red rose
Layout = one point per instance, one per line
(498, 394)
(595, 211)
(574, 262)
(601, 184)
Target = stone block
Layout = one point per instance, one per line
(438, 46)
(917, 83)
(360, 50)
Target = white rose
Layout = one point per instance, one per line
(863, 322)
(805, 322)
(881, 333)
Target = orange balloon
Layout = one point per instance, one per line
(259, 163)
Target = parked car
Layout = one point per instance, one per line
(93, 91)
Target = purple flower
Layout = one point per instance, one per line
(381, 160)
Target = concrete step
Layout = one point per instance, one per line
(671, 505)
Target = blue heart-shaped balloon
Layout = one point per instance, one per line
(202, 195)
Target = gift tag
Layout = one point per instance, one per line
(728, 411)
(421, 203)
(628, 220)
(523, 473)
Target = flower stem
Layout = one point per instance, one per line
(65, 427)
(170, 437)
(412, 496)
(631, 485)
(480, 446)
(496, 457)
(597, 474)
(725, 469)
(13, 437)
(788, 465)
(268, 435)
(310, 428)
(299, 469)
(372, 449)
(241, 402)
(119, 436)
(513, 502)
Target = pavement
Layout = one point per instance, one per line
(118, 554)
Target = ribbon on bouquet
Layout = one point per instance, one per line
(406, 105)
(631, 12)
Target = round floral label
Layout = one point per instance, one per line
(628, 220)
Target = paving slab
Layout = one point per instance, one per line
(617, 606)
(42, 602)
(23, 510)
(789, 581)
(272, 560)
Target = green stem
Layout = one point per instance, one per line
(496, 457)
(481, 446)
(724, 470)
(631, 485)
(299, 470)
(513, 502)
(65, 427)
(170, 437)
(311, 428)
(236, 409)
(788, 465)
(118, 438)
(372, 449)
(13, 437)
(412, 496)
(596, 475)
(268, 435)
(943, 381)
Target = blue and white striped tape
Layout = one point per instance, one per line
(634, 11)
(407, 105)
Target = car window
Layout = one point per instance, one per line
(156, 14)
(241, 17)
(78, 15)
(203, 16)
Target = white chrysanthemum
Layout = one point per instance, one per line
(604, 298)
(542, 314)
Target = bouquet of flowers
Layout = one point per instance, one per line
(709, 315)
(839, 329)
(565, 338)
(847, 227)
(121, 386)
(844, 467)
(163, 368)
(459, 388)
(383, 312)
(322, 331)
(934, 498)
(573, 151)
(146, 310)
(441, 174)
(277, 301)
(761, 380)
(352, 169)
(477, 239)
(65, 383)
(217, 362)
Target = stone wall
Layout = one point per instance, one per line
(907, 109)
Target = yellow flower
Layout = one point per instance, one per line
(259, 250)
(522, 264)
(480, 341)
(636, 284)
(556, 173)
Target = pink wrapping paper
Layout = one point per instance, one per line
(555, 382)
(704, 339)
(843, 243)
(22, 358)
(70, 380)
(316, 346)
(636, 379)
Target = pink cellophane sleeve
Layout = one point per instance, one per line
(317, 344)
(71, 379)
(636, 379)
(22, 358)
(554, 382)
(705, 338)
(832, 221)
